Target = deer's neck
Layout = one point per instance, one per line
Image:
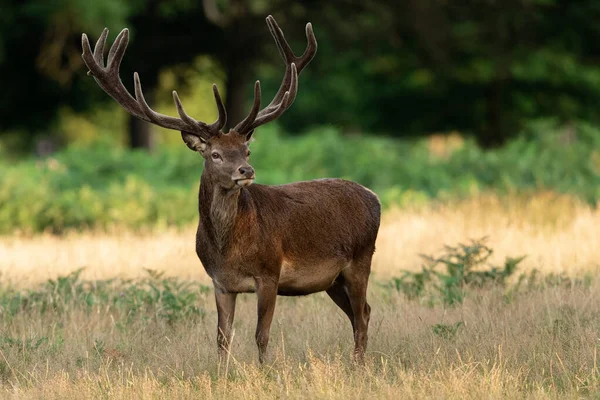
(219, 210)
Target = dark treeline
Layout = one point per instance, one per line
(401, 68)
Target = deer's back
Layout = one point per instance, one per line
(321, 219)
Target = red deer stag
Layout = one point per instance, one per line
(289, 240)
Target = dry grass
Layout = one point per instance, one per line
(541, 344)
(558, 233)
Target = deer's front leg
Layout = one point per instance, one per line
(266, 291)
(226, 312)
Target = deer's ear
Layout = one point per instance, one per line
(194, 142)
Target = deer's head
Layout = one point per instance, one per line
(226, 154)
(226, 158)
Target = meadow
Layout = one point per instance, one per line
(138, 321)
(485, 282)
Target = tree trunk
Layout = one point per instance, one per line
(494, 135)
(237, 87)
(140, 132)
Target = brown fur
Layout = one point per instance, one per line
(293, 239)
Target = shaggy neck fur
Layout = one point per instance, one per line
(218, 209)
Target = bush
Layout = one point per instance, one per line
(462, 269)
(166, 299)
(102, 186)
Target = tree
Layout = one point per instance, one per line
(247, 42)
(400, 68)
(477, 66)
(167, 33)
(39, 57)
(164, 33)
(40, 49)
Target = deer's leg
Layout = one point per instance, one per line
(266, 291)
(226, 312)
(356, 281)
(339, 296)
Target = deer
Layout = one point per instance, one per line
(289, 240)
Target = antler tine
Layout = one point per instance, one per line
(243, 126)
(117, 51)
(157, 118)
(123, 35)
(99, 47)
(182, 114)
(289, 84)
(222, 118)
(88, 57)
(110, 83)
(284, 48)
(293, 86)
(107, 77)
(286, 102)
(311, 48)
(289, 57)
(263, 119)
(286, 53)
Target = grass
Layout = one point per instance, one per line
(542, 344)
(559, 234)
(114, 330)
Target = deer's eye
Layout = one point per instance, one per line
(216, 156)
(248, 154)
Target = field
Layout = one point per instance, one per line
(115, 329)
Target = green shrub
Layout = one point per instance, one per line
(447, 278)
(102, 186)
(165, 299)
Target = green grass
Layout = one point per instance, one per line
(100, 186)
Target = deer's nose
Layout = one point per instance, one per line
(247, 172)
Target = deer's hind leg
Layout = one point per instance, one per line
(356, 280)
(338, 294)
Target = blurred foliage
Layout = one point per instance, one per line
(40, 50)
(100, 186)
(481, 67)
(39, 58)
(108, 123)
(478, 66)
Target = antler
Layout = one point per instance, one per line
(107, 77)
(289, 86)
